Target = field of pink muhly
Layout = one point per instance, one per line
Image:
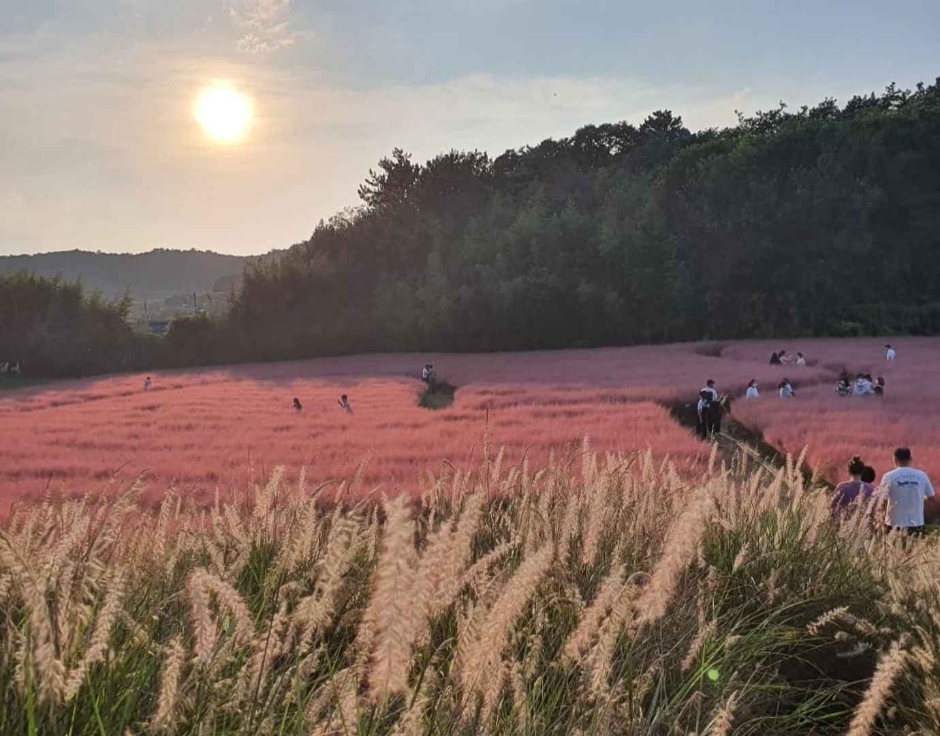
(834, 429)
(218, 428)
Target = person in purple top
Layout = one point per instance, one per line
(854, 490)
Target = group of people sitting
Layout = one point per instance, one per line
(8, 367)
(902, 491)
(783, 358)
(784, 389)
(343, 402)
(864, 385)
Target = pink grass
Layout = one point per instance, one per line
(198, 430)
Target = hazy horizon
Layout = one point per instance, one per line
(102, 152)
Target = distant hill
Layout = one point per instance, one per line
(158, 273)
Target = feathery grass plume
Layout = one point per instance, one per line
(340, 691)
(412, 723)
(313, 611)
(830, 616)
(480, 657)
(168, 698)
(588, 629)
(724, 719)
(598, 662)
(679, 550)
(101, 635)
(889, 668)
(705, 632)
(42, 655)
(598, 516)
(477, 573)
(230, 600)
(389, 613)
(204, 627)
(446, 567)
(569, 528)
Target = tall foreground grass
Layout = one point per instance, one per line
(610, 598)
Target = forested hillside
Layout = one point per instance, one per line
(157, 272)
(820, 221)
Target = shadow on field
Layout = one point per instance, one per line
(438, 396)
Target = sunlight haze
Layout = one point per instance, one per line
(98, 97)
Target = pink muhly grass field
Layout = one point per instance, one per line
(834, 429)
(199, 430)
(219, 428)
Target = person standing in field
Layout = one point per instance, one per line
(869, 475)
(713, 413)
(784, 358)
(854, 489)
(890, 353)
(785, 389)
(710, 387)
(752, 392)
(905, 489)
(800, 359)
(147, 383)
(775, 359)
(344, 404)
(879, 387)
(297, 405)
(704, 400)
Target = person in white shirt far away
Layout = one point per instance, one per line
(905, 489)
(890, 353)
(786, 389)
(147, 383)
(800, 359)
(752, 392)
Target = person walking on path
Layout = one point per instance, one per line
(344, 404)
(905, 489)
(710, 387)
(847, 492)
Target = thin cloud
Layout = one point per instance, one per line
(263, 24)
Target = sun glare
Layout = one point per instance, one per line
(224, 113)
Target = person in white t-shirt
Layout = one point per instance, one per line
(904, 489)
(801, 360)
(890, 353)
(147, 383)
(785, 389)
(752, 392)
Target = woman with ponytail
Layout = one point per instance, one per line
(855, 489)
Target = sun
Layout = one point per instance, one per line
(224, 113)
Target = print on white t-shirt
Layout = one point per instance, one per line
(905, 490)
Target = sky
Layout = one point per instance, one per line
(100, 150)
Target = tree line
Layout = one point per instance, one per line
(815, 222)
(820, 221)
